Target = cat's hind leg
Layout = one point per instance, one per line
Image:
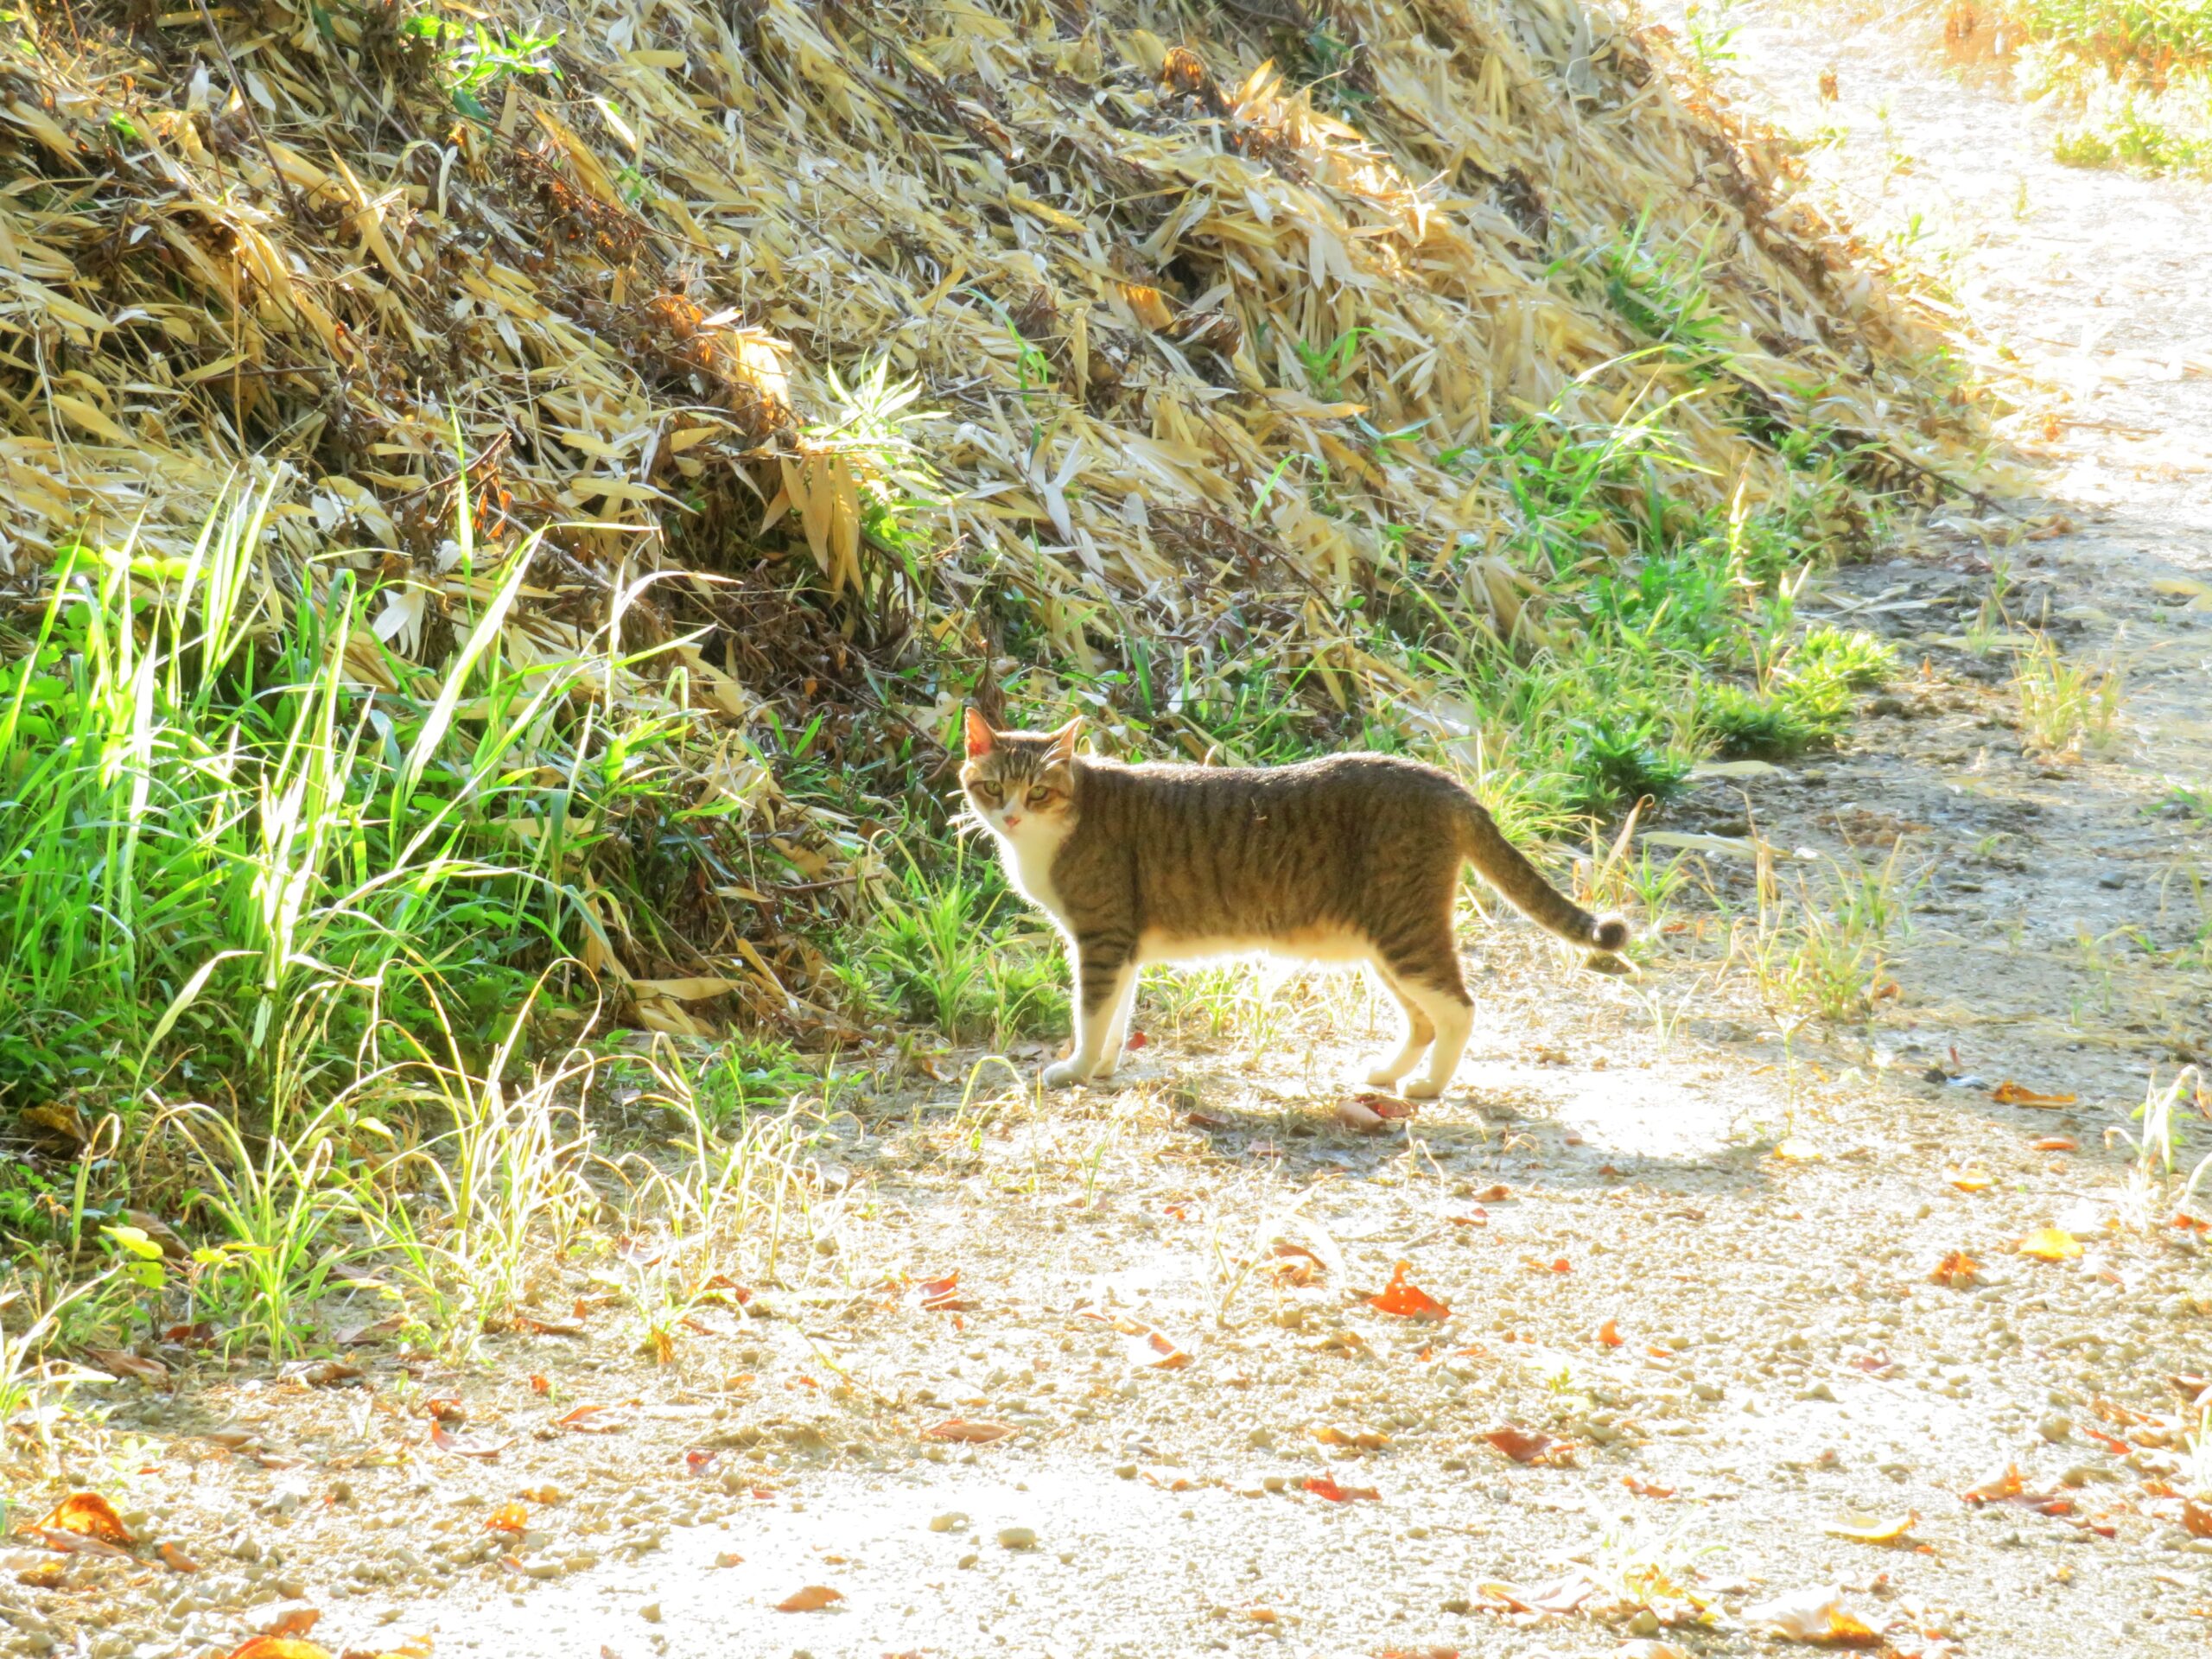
(1422, 961)
(1450, 1011)
(1421, 1032)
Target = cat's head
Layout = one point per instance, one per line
(1019, 783)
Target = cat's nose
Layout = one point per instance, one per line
(1011, 819)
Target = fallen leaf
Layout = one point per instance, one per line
(1475, 1219)
(296, 1622)
(1205, 1120)
(1416, 1653)
(88, 1514)
(279, 1647)
(1358, 1119)
(1134, 1041)
(811, 1600)
(539, 1385)
(508, 1517)
(1529, 1446)
(968, 1434)
(1406, 1300)
(1646, 1488)
(590, 1420)
(1496, 1193)
(728, 1558)
(2196, 1518)
(1872, 1529)
(120, 1362)
(549, 1327)
(461, 1448)
(1147, 1346)
(1609, 1333)
(1813, 1616)
(446, 1408)
(1555, 1599)
(2054, 1143)
(1366, 1439)
(2009, 1093)
(1957, 1270)
(699, 1459)
(1390, 1108)
(940, 1295)
(1970, 1180)
(176, 1559)
(2050, 1244)
(354, 1336)
(1325, 1486)
(2003, 1488)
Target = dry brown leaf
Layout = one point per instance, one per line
(812, 1599)
(1530, 1445)
(120, 1362)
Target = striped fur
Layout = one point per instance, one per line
(1354, 858)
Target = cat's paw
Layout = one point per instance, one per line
(1383, 1077)
(1061, 1073)
(1424, 1088)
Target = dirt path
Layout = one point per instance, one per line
(1692, 1241)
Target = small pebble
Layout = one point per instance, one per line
(1018, 1537)
(950, 1521)
(2054, 1428)
(650, 1612)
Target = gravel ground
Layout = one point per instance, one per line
(1698, 1260)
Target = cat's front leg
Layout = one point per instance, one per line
(1102, 972)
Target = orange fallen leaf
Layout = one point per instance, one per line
(88, 1514)
(1529, 1446)
(538, 1384)
(1957, 1270)
(2054, 1143)
(968, 1434)
(1970, 1180)
(1477, 1218)
(1388, 1107)
(298, 1622)
(1496, 1193)
(1646, 1488)
(2050, 1244)
(812, 1599)
(176, 1559)
(699, 1458)
(2009, 1093)
(591, 1420)
(508, 1517)
(1407, 1300)
(1325, 1486)
(2111, 1443)
(1998, 1489)
(1365, 1439)
(1416, 1653)
(279, 1647)
(1609, 1333)
(940, 1295)
(1134, 1041)
(2195, 1518)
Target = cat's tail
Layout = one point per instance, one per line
(1484, 846)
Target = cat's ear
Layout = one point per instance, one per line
(980, 738)
(1062, 746)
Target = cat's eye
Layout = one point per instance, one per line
(987, 793)
(1041, 796)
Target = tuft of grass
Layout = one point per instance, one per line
(1822, 949)
(952, 948)
(2064, 706)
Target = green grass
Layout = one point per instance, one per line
(2137, 73)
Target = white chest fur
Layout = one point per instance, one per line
(1027, 855)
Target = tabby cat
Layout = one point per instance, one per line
(1354, 858)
